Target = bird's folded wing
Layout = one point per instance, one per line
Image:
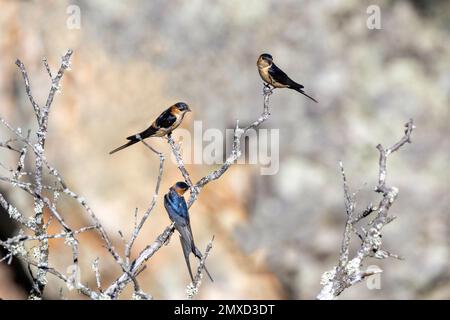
(165, 120)
(279, 76)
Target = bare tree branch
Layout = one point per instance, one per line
(144, 218)
(348, 272)
(26, 80)
(194, 286)
(36, 223)
(42, 119)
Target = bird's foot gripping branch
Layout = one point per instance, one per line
(348, 272)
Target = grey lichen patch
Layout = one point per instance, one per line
(327, 276)
(192, 290)
(352, 268)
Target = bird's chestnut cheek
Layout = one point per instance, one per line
(180, 191)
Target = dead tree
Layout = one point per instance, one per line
(31, 243)
(348, 271)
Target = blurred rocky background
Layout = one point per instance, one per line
(274, 235)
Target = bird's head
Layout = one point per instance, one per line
(180, 187)
(265, 60)
(182, 107)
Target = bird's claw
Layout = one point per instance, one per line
(267, 90)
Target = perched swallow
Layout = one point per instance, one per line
(274, 76)
(178, 212)
(167, 121)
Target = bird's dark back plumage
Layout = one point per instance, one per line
(166, 119)
(280, 76)
(176, 208)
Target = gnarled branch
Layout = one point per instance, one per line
(348, 272)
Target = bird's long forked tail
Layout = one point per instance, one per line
(186, 251)
(299, 88)
(304, 93)
(207, 272)
(126, 145)
(135, 138)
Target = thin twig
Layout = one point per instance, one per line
(194, 286)
(144, 218)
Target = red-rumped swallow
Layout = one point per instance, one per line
(167, 121)
(275, 77)
(177, 209)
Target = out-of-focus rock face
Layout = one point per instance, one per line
(275, 235)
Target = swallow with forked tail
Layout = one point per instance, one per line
(167, 121)
(177, 209)
(274, 76)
